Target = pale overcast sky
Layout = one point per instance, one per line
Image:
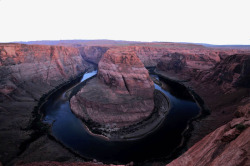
(198, 21)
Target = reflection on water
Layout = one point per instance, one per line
(88, 75)
(68, 129)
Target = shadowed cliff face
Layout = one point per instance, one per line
(227, 145)
(224, 88)
(93, 54)
(175, 62)
(122, 93)
(27, 72)
(232, 72)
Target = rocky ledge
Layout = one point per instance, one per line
(227, 145)
(121, 95)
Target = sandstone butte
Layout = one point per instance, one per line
(121, 95)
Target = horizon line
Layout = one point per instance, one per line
(135, 41)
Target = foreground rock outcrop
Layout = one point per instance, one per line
(228, 145)
(121, 95)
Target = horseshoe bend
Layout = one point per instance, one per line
(115, 102)
(121, 95)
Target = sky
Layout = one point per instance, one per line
(195, 21)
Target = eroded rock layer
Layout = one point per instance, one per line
(225, 90)
(27, 72)
(228, 145)
(231, 72)
(122, 93)
(125, 73)
(29, 68)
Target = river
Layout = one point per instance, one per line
(70, 131)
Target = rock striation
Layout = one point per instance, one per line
(228, 145)
(224, 88)
(125, 73)
(27, 72)
(29, 68)
(231, 72)
(121, 95)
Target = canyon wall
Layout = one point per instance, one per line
(230, 73)
(92, 54)
(196, 56)
(28, 72)
(27, 69)
(225, 90)
(228, 145)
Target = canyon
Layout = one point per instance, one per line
(220, 76)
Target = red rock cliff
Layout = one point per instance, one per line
(32, 65)
(27, 72)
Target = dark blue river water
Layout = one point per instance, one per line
(70, 131)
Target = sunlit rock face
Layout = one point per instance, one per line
(122, 93)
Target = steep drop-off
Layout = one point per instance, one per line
(225, 89)
(228, 145)
(26, 69)
(92, 54)
(28, 72)
(233, 72)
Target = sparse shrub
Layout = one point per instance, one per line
(240, 127)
